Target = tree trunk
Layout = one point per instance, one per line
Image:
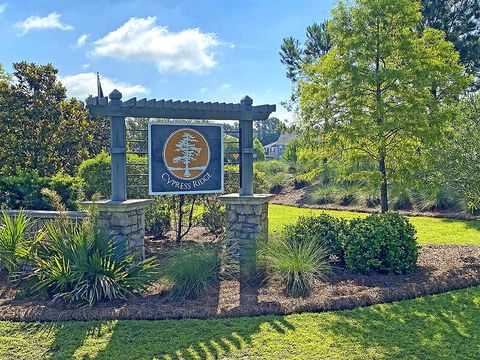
(384, 186)
(180, 218)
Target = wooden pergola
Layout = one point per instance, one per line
(117, 110)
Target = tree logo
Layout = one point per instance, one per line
(186, 154)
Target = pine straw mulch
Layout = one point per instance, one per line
(290, 196)
(440, 268)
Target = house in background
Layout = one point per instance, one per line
(274, 151)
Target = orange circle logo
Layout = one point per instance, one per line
(186, 154)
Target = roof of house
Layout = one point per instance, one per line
(283, 140)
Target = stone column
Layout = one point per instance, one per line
(125, 220)
(247, 222)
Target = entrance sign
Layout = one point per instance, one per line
(185, 158)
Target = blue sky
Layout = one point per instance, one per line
(195, 50)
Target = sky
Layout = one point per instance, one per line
(207, 50)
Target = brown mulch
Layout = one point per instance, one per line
(440, 268)
(299, 198)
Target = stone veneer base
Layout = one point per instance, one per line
(125, 220)
(247, 222)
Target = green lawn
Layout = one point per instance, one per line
(444, 326)
(429, 230)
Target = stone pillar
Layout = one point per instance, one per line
(247, 222)
(125, 220)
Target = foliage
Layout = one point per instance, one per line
(213, 216)
(429, 230)
(268, 131)
(457, 160)
(384, 331)
(158, 218)
(460, 20)
(192, 270)
(15, 243)
(271, 167)
(42, 129)
(384, 91)
(96, 175)
(381, 243)
(24, 190)
(258, 150)
(299, 264)
(324, 230)
(84, 264)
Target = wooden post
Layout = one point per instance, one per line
(118, 150)
(246, 133)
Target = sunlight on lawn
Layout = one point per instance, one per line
(429, 230)
(433, 327)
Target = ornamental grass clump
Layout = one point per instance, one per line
(192, 270)
(83, 264)
(298, 264)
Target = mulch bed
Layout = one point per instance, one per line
(440, 268)
(299, 198)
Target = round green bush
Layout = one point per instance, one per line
(157, 220)
(324, 230)
(381, 243)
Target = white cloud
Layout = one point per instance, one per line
(225, 86)
(51, 21)
(84, 84)
(203, 90)
(81, 41)
(3, 7)
(141, 39)
(85, 66)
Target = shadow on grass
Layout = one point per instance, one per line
(433, 327)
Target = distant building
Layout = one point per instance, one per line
(274, 151)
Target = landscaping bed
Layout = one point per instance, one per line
(440, 268)
(290, 196)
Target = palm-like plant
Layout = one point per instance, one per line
(15, 243)
(82, 263)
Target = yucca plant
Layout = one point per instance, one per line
(15, 241)
(81, 263)
(298, 264)
(192, 270)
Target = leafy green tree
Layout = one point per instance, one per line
(268, 131)
(371, 96)
(460, 20)
(42, 129)
(258, 150)
(457, 160)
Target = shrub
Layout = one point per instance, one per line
(157, 219)
(271, 167)
(381, 243)
(400, 198)
(192, 270)
(24, 191)
(213, 216)
(96, 175)
(15, 243)
(81, 263)
(323, 230)
(299, 264)
(276, 182)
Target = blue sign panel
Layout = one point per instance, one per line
(185, 158)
